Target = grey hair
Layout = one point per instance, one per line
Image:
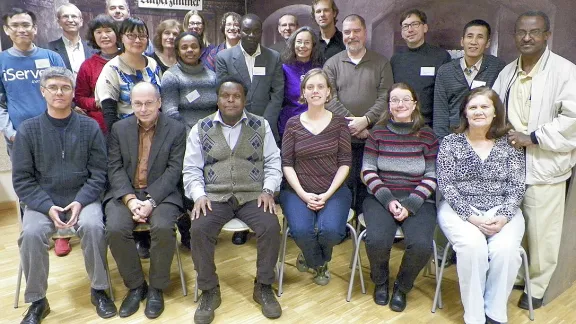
(144, 83)
(67, 5)
(57, 72)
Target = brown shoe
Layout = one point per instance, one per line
(264, 296)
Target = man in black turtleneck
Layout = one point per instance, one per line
(418, 65)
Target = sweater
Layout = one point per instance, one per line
(400, 164)
(410, 67)
(293, 74)
(189, 93)
(466, 181)
(20, 96)
(86, 84)
(51, 172)
(316, 158)
(210, 61)
(359, 89)
(451, 88)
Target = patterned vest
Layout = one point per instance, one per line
(237, 172)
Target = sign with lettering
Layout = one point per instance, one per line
(171, 4)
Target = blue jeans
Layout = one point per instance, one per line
(317, 232)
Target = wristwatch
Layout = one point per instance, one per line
(153, 202)
(268, 191)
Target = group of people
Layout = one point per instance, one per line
(169, 129)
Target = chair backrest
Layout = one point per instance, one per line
(399, 232)
(235, 225)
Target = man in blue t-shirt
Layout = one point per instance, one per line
(21, 66)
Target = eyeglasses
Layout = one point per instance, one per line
(146, 104)
(235, 25)
(54, 89)
(25, 26)
(132, 36)
(396, 101)
(532, 33)
(193, 23)
(414, 25)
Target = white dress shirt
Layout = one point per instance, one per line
(250, 59)
(193, 171)
(75, 53)
(470, 72)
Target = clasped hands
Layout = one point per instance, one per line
(314, 201)
(74, 208)
(488, 226)
(140, 209)
(398, 211)
(358, 127)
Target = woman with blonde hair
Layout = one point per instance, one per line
(164, 51)
(194, 22)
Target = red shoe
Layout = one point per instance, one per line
(62, 246)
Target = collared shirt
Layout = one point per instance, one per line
(470, 72)
(75, 53)
(250, 59)
(194, 161)
(334, 46)
(520, 97)
(145, 136)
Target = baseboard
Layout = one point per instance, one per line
(8, 205)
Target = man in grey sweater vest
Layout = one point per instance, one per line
(231, 170)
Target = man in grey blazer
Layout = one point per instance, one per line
(70, 46)
(259, 68)
(146, 153)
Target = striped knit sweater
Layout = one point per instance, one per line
(400, 165)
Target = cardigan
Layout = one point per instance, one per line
(86, 84)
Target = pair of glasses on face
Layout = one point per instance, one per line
(146, 104)
(54, 89)
(24, 26)
(195, 23)
(132, 36)
(396, 101)
(414, 25)
(531, 33)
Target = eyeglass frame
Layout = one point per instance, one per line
(414, 25)
(396, 102)
(146, 104)
(25, 26)
(534, 33)
(194, 23)
(133, 36)
(64, 89)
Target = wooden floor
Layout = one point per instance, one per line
(302, 301)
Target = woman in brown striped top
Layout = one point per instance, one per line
(316, 159)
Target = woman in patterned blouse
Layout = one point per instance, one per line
(482, 178)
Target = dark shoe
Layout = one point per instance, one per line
(381, 295)
(142, 245)
(264, 296)
(209, 301)
(523, 302)
(36, 312)
(154, 303)
(398, 300)
(491, 321)
(131, 302)
(322, 275)
(518, 287)
(185, 242)
(240, 238)
(105, 307)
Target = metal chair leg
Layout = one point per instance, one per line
(18, 283)
(181, 270)
(437, 299)
(285, 230)
(110, 290)
(354, 264)
(527, 282)
(195, 286)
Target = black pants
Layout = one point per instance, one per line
(355, 183)
(380, 231)
(204, 234)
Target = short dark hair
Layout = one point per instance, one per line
(535, 13)
(418, 13)
(100, 21)
(18, 11)
(499, 126)
(234, 16)
(251, 16)
(332, 5)
(233, 79)
(131, 24)
(165, 24)
(288, 56)
(355, 17)
(184, 34)
(480, 23)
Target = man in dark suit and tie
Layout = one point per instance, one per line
(146, 153)
(70, 46)
(261, 71)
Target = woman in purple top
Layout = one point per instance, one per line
(301, 55)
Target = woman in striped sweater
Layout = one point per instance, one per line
(399, 169)
(316, 159)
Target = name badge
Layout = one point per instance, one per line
(476, 84)
(42, 63)
(192, 96)
(427, 71)
(259, 70)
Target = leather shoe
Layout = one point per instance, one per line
(523, 302)
(142, 240)
(381, 295)
(131, 302)
(36, 312)
(240, 238)
(209, 301)
(105, 307)
(398, 301)
(154, 303)
(264, 296)
(491, 321)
